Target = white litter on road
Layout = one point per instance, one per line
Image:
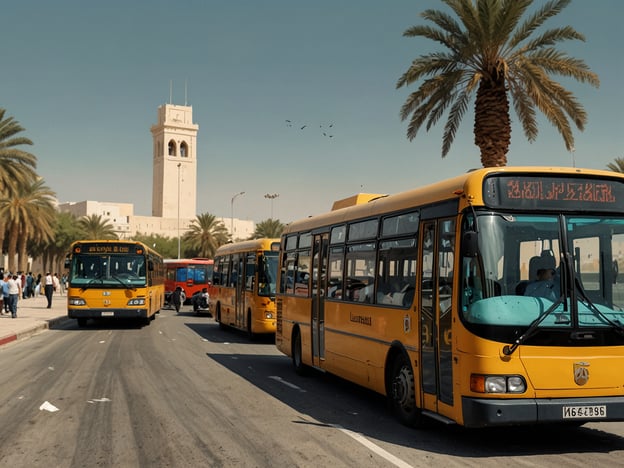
(47, 406)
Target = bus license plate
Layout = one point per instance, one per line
(108, 314)
(597, 411)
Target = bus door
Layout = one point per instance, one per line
(238, 278)
(436, 298)
(319, 286)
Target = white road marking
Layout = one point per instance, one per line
(98, 400)
(288, 384)
(373, 447)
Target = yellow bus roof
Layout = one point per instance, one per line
(467, 187)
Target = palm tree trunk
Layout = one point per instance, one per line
(22, 256)
(492, 126)
(12, 248)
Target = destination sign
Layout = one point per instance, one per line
(106, 248)
(565, 193)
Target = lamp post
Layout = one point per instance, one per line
(179, 164)
(271, 197)
(232, 212)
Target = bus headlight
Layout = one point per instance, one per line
(497, 383)
(77, 301)
(268, 315)
(137, 301)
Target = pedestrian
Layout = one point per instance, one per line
(176, 298)
(28, 290)
(5, 295)
(15, 290)
(49, 288)
(57, 283)
(63, 283)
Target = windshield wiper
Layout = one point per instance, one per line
(508, 350)
(616, 324)
(127, 286)
(86, 286)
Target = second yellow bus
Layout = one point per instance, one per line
(245, 275)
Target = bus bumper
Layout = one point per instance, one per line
(107, 313)
(481, 412)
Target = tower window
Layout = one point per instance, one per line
(172, 148)
(183, 150)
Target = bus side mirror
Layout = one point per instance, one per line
(67, 261)
(470, 244)
(150, 265)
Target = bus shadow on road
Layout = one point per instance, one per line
(324, 399)
(211, 331)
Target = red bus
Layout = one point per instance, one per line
(191, 274)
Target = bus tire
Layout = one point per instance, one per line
(218, 316)
(402, 392)
(297, 356)
(82, 322)
(250, 333)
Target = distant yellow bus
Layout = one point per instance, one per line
(244, 279)
(489, 299)
(114, 279)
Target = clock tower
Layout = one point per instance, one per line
(174, 188)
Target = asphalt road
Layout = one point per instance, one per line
(181, 392)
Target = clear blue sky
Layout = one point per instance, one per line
(85, 80)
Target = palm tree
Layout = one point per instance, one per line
(270, 228)
(94, 227)
(28, 211)
(206, 234)
(617, 165)
(492, 53)
(16, 166)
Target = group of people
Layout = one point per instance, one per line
(23, 286)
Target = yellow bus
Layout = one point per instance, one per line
(112, 279)
(244, 279)
(430, 297)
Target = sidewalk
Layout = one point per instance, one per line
(33, 316)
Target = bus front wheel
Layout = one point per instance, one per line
(402, 392)
(297, 359)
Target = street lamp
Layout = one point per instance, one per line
(232, 212)
(271, 197)
(179, 164)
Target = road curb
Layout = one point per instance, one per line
(39, 327)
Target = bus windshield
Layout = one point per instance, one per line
(555, 272)
(111, 271)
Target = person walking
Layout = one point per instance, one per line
(5, 295)
(176, 298)
(15, 291)
(49, 288)
(57, 284)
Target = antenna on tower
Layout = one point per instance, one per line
(185, 92)
(170, 91)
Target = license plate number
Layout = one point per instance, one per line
(596, 411)
(108, 314)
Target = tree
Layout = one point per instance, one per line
(492, 53)
(94, 227)
(16, 166)
(206, 234)
(28, 211)
(270, 228)
(66, 230)
(617, 165)
(165, 246)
